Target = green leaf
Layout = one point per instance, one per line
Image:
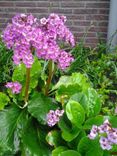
(19, 73)
(54, 138)
(75, 113)
(93, 102)
(75, 78)
(33, 82)
(70, 153)
(11, 122)
(69, 90)
(69, 132)
(33, 143)
(58, 150)
(106, 153)
(113, 121)
(82, 99)
(90, 101)
(69, 85)
(36, 68)
(4, 99)
(89, 147)
(98, 120)
(114, 149)
(39, 106)
(74, 143)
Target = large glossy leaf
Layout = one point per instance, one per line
(4, 99)
(33, 141)
(11, 123)
(93, 102)
(58, 150)
(90, 101)
(98, 120)
(69, 85)
(69, 90)
(54, 138)
(19, 73)
(113, 120)
(71, 134)
(107, 153)
(82, 99)
(89, 147)
(39, 106)
(75, 78)
(75, 113)
(74, 143)
(69, 131)
(36, 67)
(70, 153)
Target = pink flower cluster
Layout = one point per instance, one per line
(108, 135)
(53, 117)
(25, 34)
(64, 60)
(14, 86)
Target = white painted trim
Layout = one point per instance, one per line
(112, 26)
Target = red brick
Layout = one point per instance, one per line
(80, 14)
(37, 10)
(104, 11)
(7, 15)
(98, 29)
(97, 17)
(3, 20)
(15, 10)
(85, 11)
(103, 23)
(3, 25)
(76, 17)
(40, 15)
(97, 5)
(54, 4)
(25, 4)
(61, 11)
(69, 22)
(102, 35)
(72, 4)
(77, 29)
(91, 40)
(6, 4)
(91, 45)
(42, 4)
(84, 23)
(81, 34)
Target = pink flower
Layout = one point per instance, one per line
(14, 86)
(25, 33)
(43, 21)
(53, 117)
(64, 60)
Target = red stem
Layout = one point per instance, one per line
(49, 78)
(27, 84)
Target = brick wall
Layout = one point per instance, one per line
(89, 16)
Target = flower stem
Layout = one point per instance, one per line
(51, 71)
(27, 84)
(114, 153)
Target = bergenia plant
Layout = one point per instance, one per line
(42, 115)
